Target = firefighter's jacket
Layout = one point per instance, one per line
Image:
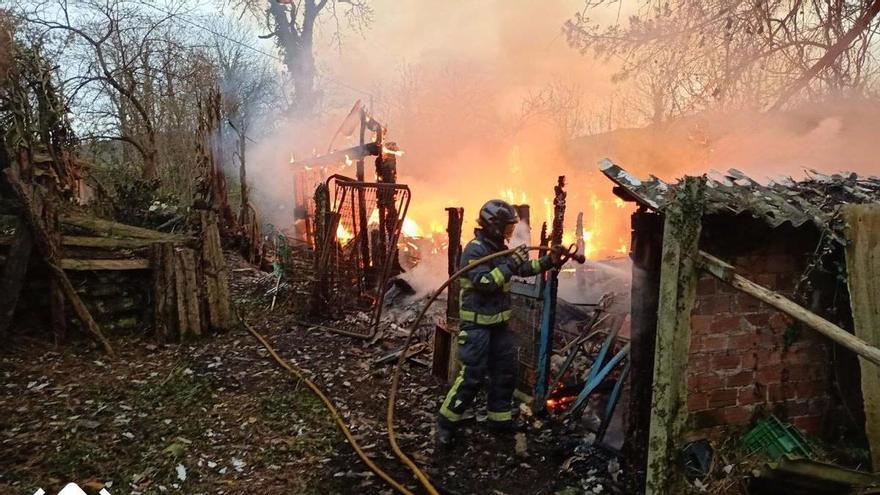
(484, 298)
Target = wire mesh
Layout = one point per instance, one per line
(360, 245)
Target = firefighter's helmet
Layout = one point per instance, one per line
(495, 215)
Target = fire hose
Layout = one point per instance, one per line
(395, 381)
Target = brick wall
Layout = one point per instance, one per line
(739, 364)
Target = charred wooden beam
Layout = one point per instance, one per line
(354, 153)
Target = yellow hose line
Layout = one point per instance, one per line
(395, 380)
(336, 416)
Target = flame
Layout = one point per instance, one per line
(411, 228)
(560, 403)
(513, 197)
(343, 234)
(348, 161)
(619, 203)
(590, 247)
(623, 248)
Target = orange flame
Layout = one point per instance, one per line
(343, 234)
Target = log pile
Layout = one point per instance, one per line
(127, 276)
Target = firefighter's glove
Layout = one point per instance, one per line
(558, 255)
(519, 256)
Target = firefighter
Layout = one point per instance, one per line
(486, 346)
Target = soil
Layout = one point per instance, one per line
(220, 416)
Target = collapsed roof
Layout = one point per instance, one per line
(817, 199)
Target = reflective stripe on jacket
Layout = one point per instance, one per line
(484, 298)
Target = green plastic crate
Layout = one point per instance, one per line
(776, 439)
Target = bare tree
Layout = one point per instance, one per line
(732, 53)
(292, 23)
(116, 45)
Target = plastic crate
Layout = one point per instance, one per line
(776, 439)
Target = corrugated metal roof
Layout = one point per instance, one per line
(816, 199)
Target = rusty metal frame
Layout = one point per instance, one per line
(347, 189)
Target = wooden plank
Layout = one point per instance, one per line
(115, 229)
(726, 274)
(13, 273)
(863, 279)
(678, 282)
(103, 264)
(104, 242)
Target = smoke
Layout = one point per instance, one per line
(450, 82)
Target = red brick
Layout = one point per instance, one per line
(726, 324)
(775, 392)
(699, 362)
(769, 374)
(697, 401)
(700, 323)
(759, 320)
(779, 322)
(712, 305)
(742, 340)
(749, 395)
(713, 343)
(722, 397)
(729, 361)
(740, 379)
(736, 415)
(706, 381)
(744, 303)
(749, 360)
(810, 424)
(768, 357)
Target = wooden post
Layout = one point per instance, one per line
(164, 300)
(863, 279)
(678, 276)
(188, 286)
(215, 274)
(646, 248)
(13, 273)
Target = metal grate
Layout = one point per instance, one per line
(359, 249)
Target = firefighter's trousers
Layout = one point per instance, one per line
(485, 351)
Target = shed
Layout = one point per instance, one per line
(751, 299)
